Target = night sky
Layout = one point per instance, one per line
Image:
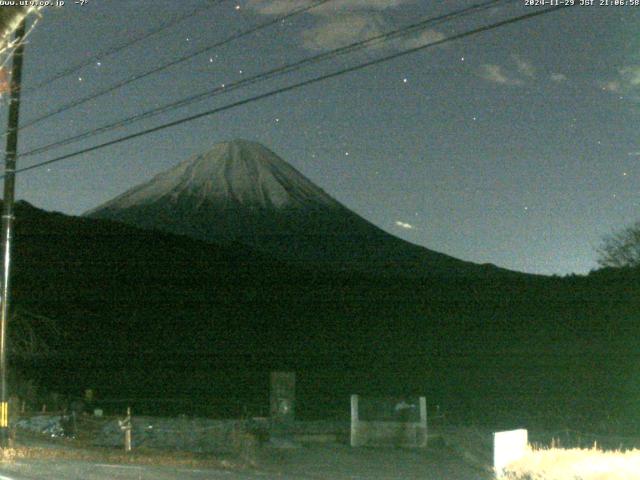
(517, 146)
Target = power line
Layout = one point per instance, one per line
(293, 87)
(116, 49)
(276, 72)
(164, 66)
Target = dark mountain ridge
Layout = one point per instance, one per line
(154, 315)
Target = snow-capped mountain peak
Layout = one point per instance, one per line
(235, 173)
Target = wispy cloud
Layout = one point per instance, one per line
(339, 22)
(519, 72)
(277, 7)
(350, 5)
(631, 75)
(613, 86)
(524, 67)
(281, 7)
(404, 225)
(627, 80)
(427, 37)
(343, 29)
(497, 74)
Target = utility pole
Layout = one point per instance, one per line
(7, 224)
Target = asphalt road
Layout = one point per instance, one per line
(73, 470)
(326, 462)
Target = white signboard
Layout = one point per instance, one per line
(508, 447)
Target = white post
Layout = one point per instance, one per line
(422, 442)
(126, 427)
(127, 440)
(508, 447)
(354, 420)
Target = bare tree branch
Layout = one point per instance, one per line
(621, 249)
(28, 334)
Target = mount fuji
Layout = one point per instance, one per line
(240, 191)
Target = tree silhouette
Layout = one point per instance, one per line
(621, 249)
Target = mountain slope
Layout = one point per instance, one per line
(241, 191)
(144, 314)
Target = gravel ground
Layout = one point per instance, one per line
(331, 462)
(43, 454)
(340, 462)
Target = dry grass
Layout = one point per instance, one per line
(138, 457)
(240, 455)
(575, 464)
(38, 447)
(472, 444)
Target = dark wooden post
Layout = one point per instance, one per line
(7, 225)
